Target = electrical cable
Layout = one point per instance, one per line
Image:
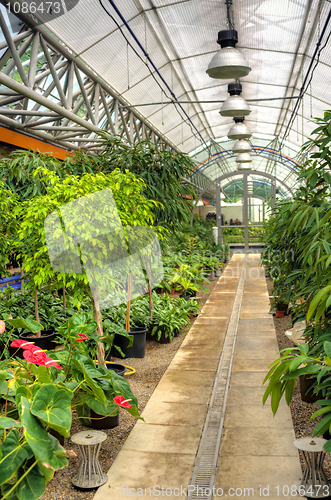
(305, 85)
(174, 99)
(228, 4)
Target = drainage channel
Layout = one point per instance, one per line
(205, 466)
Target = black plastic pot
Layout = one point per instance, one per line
(117, 368)
(307, 394)
(188, 295)
(44, 342)
(137, 350)
(101, 422)
(58, 436)
(209, 273)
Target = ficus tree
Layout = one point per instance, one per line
(86, 225)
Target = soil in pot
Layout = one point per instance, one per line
(137, 350)
(46, 341)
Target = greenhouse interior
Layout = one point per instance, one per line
(165, 221)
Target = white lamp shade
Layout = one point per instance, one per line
(243, 158)
(250, 184)
(239, 131)
(235, 105)
(228, 63)
(243, 166)
(241, 146)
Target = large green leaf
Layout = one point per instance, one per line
(39, 440)
(27, 324)
(32, 486)
(327, 348)
(122, 388)
(53, 406)
(86, 367)
(9, 423)
(13, 456)
(110, 408)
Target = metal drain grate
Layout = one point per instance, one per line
(205, 466)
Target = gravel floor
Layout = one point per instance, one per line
(149, 371)
(300, 411)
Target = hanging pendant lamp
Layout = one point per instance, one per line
(241, 146)
(244, 158)
(235, 105)
(228, 62)
(239, 130)
(250, 185)
(243, 166)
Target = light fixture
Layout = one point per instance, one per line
(228, 62)
(239, 130)
(244, 158)
(243, 166)
(241, 146)
(235, 105)
(250, 185)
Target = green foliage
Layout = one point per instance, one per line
(162, 172)
(8, 226)
(42, 400)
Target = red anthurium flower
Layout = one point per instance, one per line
(2, 326)
(37, 357)
(82, 337)
(52, 362)
(121, 401)
(22, 343)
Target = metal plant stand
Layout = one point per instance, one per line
(89, 474)
(314, 482)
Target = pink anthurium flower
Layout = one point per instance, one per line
(122, 402)
(2, 326)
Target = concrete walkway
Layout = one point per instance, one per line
(256, 450)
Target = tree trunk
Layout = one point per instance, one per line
(98, 318)
(151, 305)
(64, 300)
(128, 307)
(36, 310)
(22, 282)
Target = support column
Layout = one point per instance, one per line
(218, 214)
(245, 210)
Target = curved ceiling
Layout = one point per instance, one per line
(277, 37)
(154, 53)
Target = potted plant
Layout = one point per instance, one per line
(280, 305)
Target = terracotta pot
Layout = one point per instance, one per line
(280, 314)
